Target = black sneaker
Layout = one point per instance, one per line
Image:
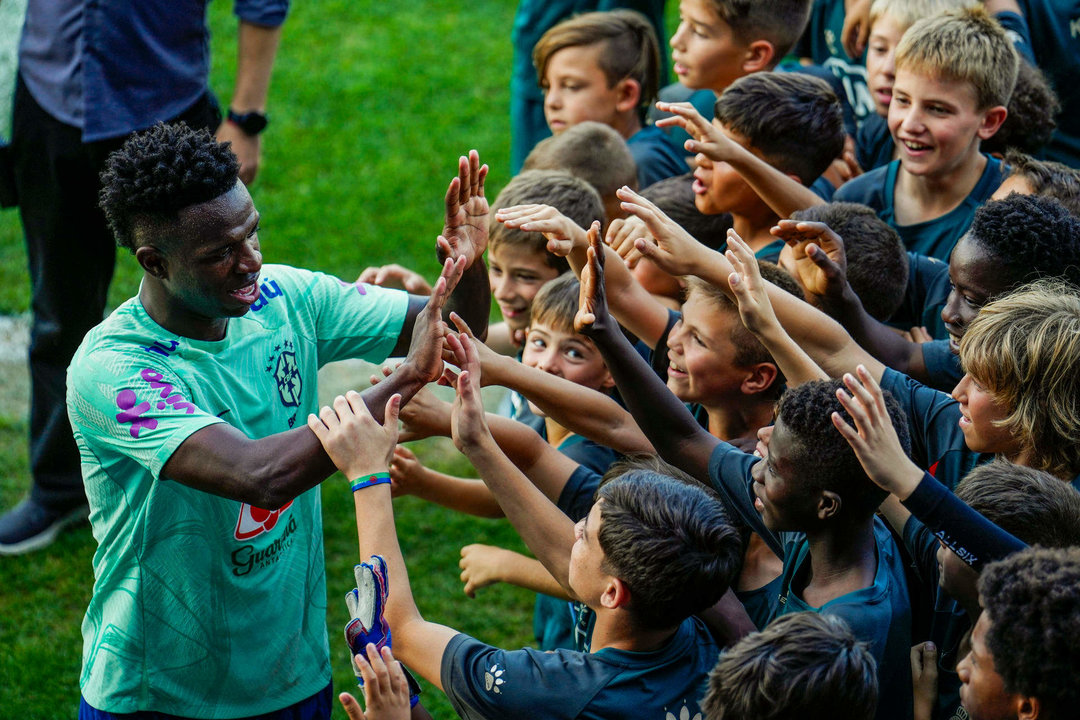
(28, 526)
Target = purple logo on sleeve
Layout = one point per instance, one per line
(132, 410)
(125, 400)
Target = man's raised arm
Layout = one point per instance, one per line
(269, 472)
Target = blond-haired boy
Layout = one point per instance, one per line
(954, 75)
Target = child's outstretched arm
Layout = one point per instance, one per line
(483, 565)
(409, 476)
(360, 447)
(547, 532)
(632, 305)
(606, 422)
(821, 263)
(670, 427)
(756, 313)
(465, 234)
(780, 192)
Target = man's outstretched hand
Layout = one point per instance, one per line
(465, 228)
(426, 346)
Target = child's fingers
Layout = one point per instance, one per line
(461, 325)
(398, 683)
(453, 192)
(316, 426)
(857, 411)
(860, 391)
(850, 434)
(352, 707)
(329, 417)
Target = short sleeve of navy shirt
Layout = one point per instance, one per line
(926, 294)
(937, 443)
(943, 370)
(934, 237)
(484, 682)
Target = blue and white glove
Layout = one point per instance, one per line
(366, 603)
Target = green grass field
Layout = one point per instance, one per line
(371, 105)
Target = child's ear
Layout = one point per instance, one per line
(628, 95)
(759, 56)
(991, 122)
(616, 594)
(829, 505)
(759, 378)
(608, 382)
(1027, 708)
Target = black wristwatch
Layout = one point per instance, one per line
(252, 123)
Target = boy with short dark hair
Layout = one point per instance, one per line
(801, 665)
(764, 120)
(651, 552)
(604, 66)
(877, 267)
(1029, 176)
(954, 75)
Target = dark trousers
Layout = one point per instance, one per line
(71, 255)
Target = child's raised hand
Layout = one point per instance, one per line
(620, 237)
(481, 565)
(465, 226)
(425, 345)
(468, 425)
(395, 276)
(874, 438)
(924, 679)
(356, 442)
(386, 691)
(707, 138)
(406, 472)
(755, 308)
(563, 234)
(592, 317)
(674, 250)
(820, 260)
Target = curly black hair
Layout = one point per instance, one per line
(1033, 106)
(823, 456)
(1032, 599)
(159, 172)
(1030, 237)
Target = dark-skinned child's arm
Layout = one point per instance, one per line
(547, 532)
(360, 445)
(821, 263)
(670, 427)
(269, 472)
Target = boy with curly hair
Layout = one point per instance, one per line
(1023, 661)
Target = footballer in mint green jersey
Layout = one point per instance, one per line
(189, 407)
(217, 570)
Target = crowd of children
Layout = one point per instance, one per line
(776, 451)
(850, 452)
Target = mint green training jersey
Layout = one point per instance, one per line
(206, 607)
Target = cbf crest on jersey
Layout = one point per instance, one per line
(284, 368)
